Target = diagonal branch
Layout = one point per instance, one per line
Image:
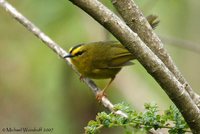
(56, 48)
(138, 23)
(183, 43)
(171, 85)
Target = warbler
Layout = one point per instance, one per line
(104, 59)
(100, 60)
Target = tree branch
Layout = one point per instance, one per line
(171, 85)
(186, 44)
(56, 48)
(138, 23)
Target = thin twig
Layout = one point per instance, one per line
(186, 44)
(171, 85)
(56, 48)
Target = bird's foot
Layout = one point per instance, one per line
(100, 95)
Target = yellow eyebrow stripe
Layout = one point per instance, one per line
(73, 50)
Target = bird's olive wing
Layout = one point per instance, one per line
(116, 57)
(120, 60)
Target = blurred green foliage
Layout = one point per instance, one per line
(38, 89)
(150, 119)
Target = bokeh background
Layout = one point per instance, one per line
(38, 89)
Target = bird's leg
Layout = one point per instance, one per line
(106, 87)
(101, 93)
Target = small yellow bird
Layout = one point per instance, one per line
(100, 60)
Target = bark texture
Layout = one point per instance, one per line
(138, 23)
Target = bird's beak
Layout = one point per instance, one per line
(68, 56)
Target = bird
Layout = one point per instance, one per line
(103, 59)
(100, 60)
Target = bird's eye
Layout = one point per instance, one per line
(79, 53)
